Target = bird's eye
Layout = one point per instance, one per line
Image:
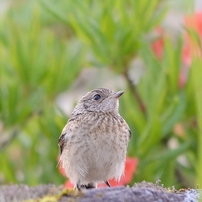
(96, 97)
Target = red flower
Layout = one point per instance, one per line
(68, 185)
(193, 23)
(158, 44)
(62, 170)
(130, 167)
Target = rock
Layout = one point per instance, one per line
(140, 192)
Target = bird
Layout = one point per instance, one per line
(93, 144)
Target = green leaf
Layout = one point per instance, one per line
(197, 87)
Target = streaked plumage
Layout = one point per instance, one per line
(93, 144)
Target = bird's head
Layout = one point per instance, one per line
(99, 100)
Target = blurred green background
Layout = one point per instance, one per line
(53, 52)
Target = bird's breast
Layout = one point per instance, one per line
(105, 136)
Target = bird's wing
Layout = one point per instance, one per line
(130, 133)
(61, 142)
(126, 125)
(64, 135)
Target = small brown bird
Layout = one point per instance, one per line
(93, 144)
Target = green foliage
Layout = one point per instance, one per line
(113, 30)
(166, 106)
(38, 62)
(35, 67)
(197, 85)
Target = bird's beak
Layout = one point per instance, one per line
(118, 94)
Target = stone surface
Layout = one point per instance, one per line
(138, 193)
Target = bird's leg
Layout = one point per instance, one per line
(107, 183)
(78, 186)
(90, 185)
